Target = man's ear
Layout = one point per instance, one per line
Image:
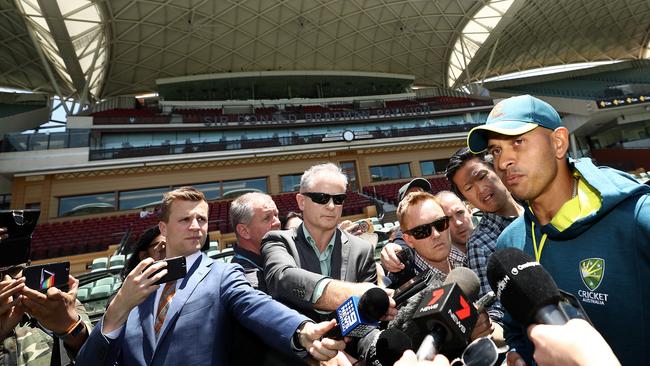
(163, 228)
(407, 239)
(242, 231)
(560, 141)
(300, 199)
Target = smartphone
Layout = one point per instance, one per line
(43, 276)
(16, 247)
(412, 287)
(176, 269)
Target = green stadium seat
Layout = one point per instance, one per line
(99, 264)
(105, 281)
(116, 261)
(100, 292)
(82, 294)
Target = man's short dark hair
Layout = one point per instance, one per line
(457, 160)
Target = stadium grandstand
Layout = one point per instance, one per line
(241, 96)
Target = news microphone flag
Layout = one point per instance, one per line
(351, 322)
(449, 315)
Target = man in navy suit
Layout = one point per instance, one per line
(188, 321)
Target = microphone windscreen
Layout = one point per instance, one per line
(404, 319)
(391, 344)
(467, 280)
(522, 285)
(373, 304)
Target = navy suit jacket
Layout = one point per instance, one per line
(197, 328)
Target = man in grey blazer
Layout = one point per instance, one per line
(317, 266)
(188, 321)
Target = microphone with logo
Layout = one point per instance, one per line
(527, 290)
(448, 314)
(357, 317)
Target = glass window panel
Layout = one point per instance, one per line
(57, 140)
(79, 139)
(83, 205)
(405, 170)
(388, 172)
(141, 198)
(212, 191)
(235, 188)
(427, 167)
(39, 141)
(290, 183)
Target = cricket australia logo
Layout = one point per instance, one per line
(592, 271)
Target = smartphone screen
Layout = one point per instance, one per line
(176, 269)
(43, 276)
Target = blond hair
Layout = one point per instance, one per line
(410, 200)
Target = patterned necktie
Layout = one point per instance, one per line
(165, 299)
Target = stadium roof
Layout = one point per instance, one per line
(96, 49)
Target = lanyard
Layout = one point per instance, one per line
(538, 251)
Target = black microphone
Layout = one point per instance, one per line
(526, 290)
(385, 347)
(448, 313)
(357, 317)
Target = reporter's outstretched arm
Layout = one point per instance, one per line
(575, 343)
(322, 349)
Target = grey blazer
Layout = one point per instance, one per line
(292, 270)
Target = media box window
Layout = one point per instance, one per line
(389, 172)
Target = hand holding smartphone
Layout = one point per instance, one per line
(176, 269)
(43, 276)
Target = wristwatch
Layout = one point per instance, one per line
(73, 331)
(295, 341)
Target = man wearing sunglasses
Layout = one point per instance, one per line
(425, 229)
(317, 266)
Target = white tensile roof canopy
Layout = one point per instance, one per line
(89, 50)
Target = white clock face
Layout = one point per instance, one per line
(348, 135)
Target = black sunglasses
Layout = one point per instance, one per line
(324, 198)
(424, 231)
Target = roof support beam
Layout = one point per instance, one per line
(59, 31)
(46, 66)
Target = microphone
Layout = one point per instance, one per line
(525, 288)
(448, 313)
(357, 317)
(388, 347)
